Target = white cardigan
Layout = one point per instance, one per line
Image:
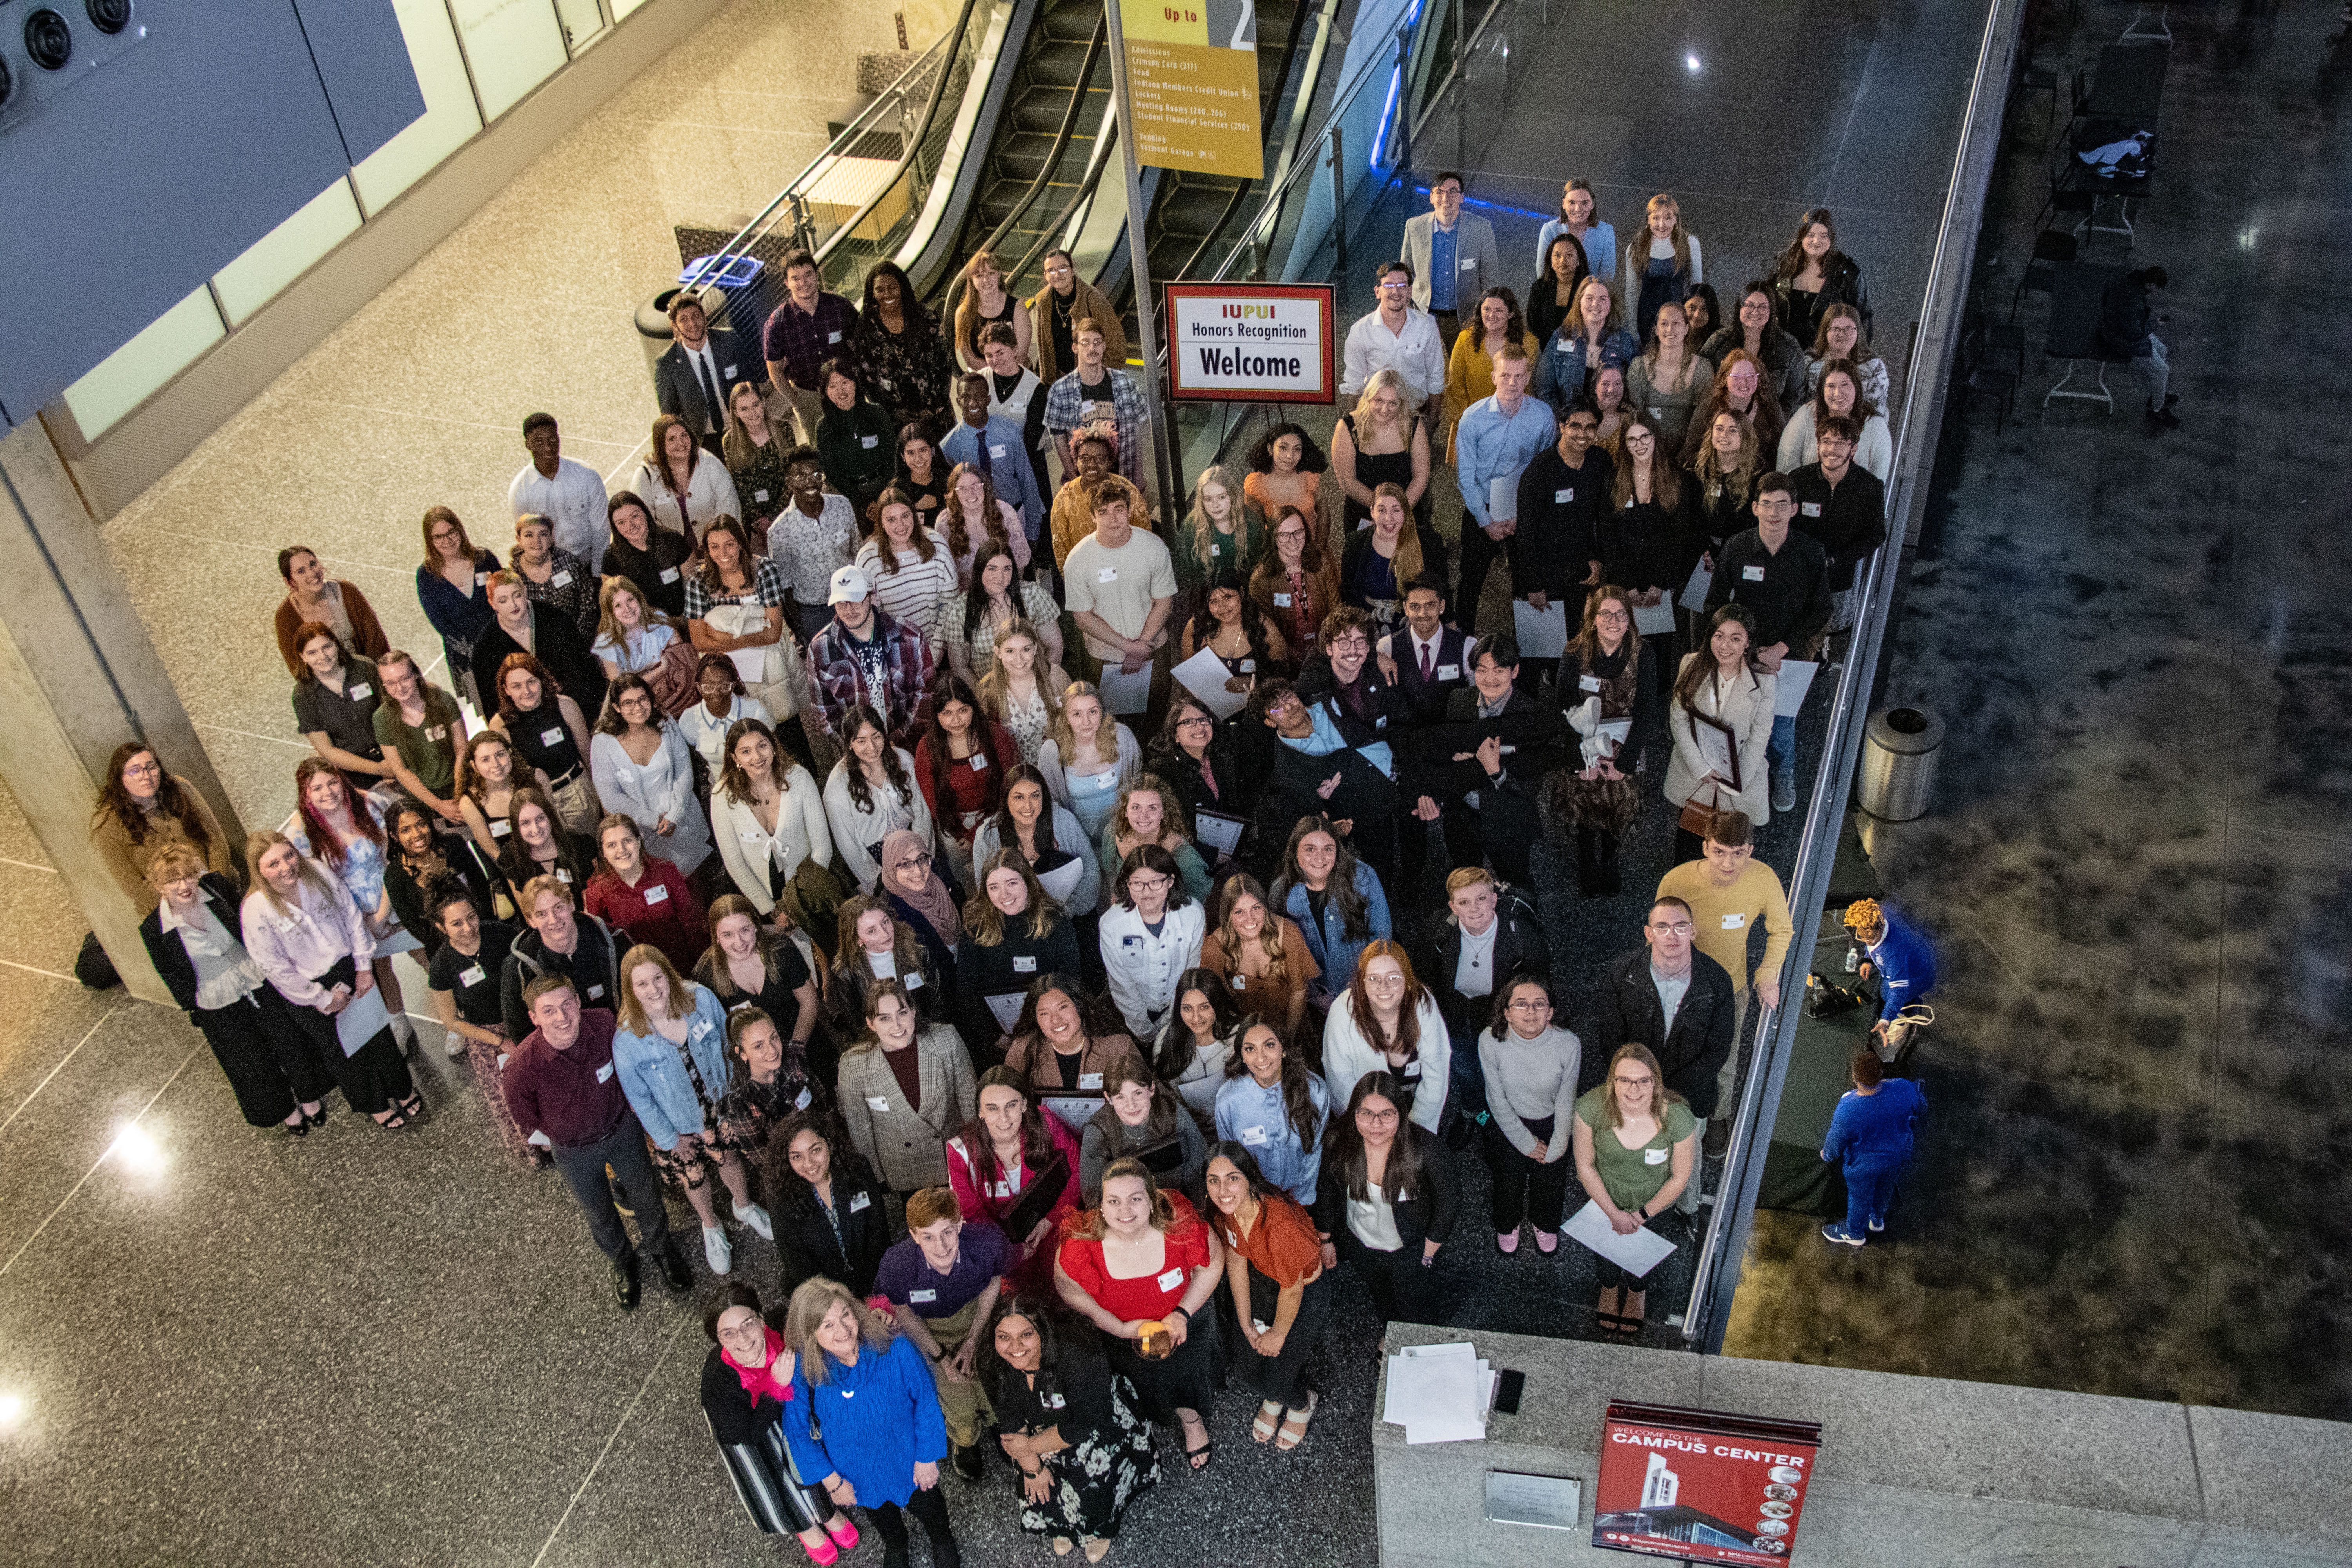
(1069, 838)
(1347, 1057)
(709, 490)
(1143, 969)
(1747, 706)
(856, 834)
(662, 787)
(748, 848)
(1875, 451)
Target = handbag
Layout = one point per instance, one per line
(773, 685)
(1699, 820)
(1895, 1039)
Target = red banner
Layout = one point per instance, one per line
(1701, 1485)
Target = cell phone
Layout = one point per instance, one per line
(1507, 1389)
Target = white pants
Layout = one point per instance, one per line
(2158, 369)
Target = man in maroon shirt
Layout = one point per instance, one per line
(561, 1086)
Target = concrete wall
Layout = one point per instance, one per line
(1916, 1472)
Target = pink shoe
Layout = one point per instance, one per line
(846, 1536)
(1547, 1242)
(1507, 1242)
(824, 1554)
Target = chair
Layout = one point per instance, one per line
(2141, 28)
(2051, 249)
(2037, 78)
(1979, 378)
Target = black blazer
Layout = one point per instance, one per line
(804, 1238)
(1427, 1216)
(1519, 948)
(674, 388)
(1177, 769)
(1537, 734)
(1694, 1050)
(172, 964)
(1424, 700)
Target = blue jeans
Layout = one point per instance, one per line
(1465, 1091)
(1780, 751)
(1870, 1189)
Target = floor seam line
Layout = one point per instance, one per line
(660, 1355)
(34, 969)
(102, 1160)
(27, 864)
(112, 1009)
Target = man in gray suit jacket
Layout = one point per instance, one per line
(695, 374)
(1454, 258)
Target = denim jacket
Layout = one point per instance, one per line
(654, 1079)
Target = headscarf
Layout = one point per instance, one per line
(933, 901)
(761, 1382)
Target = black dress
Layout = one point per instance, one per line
(1372, 470)
(270, 1064)
(1110, 1460)
(559, 647)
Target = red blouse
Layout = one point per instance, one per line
(972, 792)
(661, 909)
(1153, 1296)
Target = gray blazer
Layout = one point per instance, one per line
(674, 384)
(1479, 264)
(906, 1147)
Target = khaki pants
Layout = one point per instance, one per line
(963, 1403)
(807, 406)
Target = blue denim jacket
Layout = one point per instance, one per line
(654, 1080)
(1335, 954)
(1563, 369)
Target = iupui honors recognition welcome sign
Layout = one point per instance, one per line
(1251, 342)
(1192, 77)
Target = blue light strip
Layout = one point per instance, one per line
(1396, 77)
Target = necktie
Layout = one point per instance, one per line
(985, 472)
(711, 398)
(1424, 661)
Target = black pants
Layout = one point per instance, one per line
(1670, 1224)
(1524, 1189)
(624, 1149)
(1375, 843)
(1283, 1378)
(373, 1078)
(1503, 827)
(1478, 552)
(931, 1508)
(1688, 846)
(1404, 1288)
(270, 1064)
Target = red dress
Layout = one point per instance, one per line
(661, 909)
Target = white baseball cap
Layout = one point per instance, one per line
(850, 584)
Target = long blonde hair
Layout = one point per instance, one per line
(1269, 938)
(1203, 530)
(983, 923)
(1066, 738)
(812, 1303)
(608, 625)
(634, 1016)
(992, 687)
(311, 874)
(1679, 239)
(1380, 380)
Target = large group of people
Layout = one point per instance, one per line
(814, 827)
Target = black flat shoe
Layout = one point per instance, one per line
(314, 1118)
(295, 1129)
(674, 1273)
(966, 1462)
(626, 1287)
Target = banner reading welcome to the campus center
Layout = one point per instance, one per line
(1250, 342)
(1191, 78)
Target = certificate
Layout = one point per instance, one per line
(1124, 693)
(1636, 1254)
(1218, 831)
(1006, 1006)
(1542, 634)
(1074, 1110)
(1655, 620)
(1796, 679)
(1204, 676)
(1694, 595)
(361, 1020)
(752, 664)
(1502, 498)
(1061, 881)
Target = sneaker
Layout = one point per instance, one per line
(2163, 419)
(453, 1044)
(1547, 1242)
(1784, 788)
(1877, 1223)
(1838, 1233)
(753, 1216)
(716, 1250)
(1718, 1142)
(1506, 1242)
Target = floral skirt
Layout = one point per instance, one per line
(1094, 1481)
(1605, 805)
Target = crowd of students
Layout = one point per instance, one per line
(833, 829)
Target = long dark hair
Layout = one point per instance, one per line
(1204, 624)
(1344, 1160)
(1008, 832)
(1036, 1142)
(1793, 260)
(1055, 1330)
(170, 800)
(946, 688)
(787, 1191)
(1174, 1052)
(920, 325)
(1696, 672)
(975, 598)
(1297, 1097)
(1097, 1019)
(1311, 460)
(1585, 647)
(1514, 326)
(861, 792)
(1355, 910)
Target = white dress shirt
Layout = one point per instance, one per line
(573, 501)
(1415, 353)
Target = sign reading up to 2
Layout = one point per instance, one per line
(1250, 342)
(1191, 78)
(1702, 1486)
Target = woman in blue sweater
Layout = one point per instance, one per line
(865, 1417)
(1872, 1135)
(1899, 958)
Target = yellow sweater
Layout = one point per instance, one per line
(1723, 917)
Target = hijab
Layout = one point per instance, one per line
(933, 902)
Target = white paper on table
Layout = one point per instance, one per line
(752, 664)
(1439, 1394)
(1204, 676)
(1124, 693)
(1218, 831)
(1006, 1006)
(1502, 498)
(1694, 594)
(1063, 879)
(1541, 634)
(1655, 620)
(1636, 1254)
(1796, 679)
(361, 1020)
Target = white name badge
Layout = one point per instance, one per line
(759, 495)
(1654, 1157)
(701, 1030)
(1588, 682)
(1107, 574)
(1657, 411)
(996, 449)
(1751, 574)
(551, 737)
(1249, 667)
(980, 762)
(1449, 673)
(835, 338)
(502, 1060)
(658, 894)
(1469, 263)
(596, 993)
(1735, 922)
(1054, 1402)
(1241, 982)
(604, 1073)
(1561, 498)
(1810, 508)
(1000, 1189)
(560, 580)
(869, 442)
(500, 829)
(914, 982)
(480, 578)
(1253, 1136)
(860, 1201)
(670, 576)
(924, 1296)
(802, 1102)
(877, 1102)
(564, 876)
(1090, 1081)
(438, 733)
(1025, 963)
(472, 975)
(1171, 1280)
(1282, 601)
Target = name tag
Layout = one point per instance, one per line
(1107, 574)
(752, 836)
(971, 819)
(564, 876)
(657, 894)
(1282, 601)
(1469, 263)
(912, 981)
(438, 733)
(596, 993)
(1000, 1189)
(1025, 963)
(802, 1102)
(1561, 498)
(1751, 574)
(500, 829)
(835, 338)
(604, 1073)
(1054, 1402)
(868, 442)
(698, 1030)
(1735, 922)
(1090, 1081)
(730, 371)
(877, 1102)
(471, 976)
(1657, 411)
(1654, 1157)
(1588, 682)
(551, 737)
(1449, 673)
(1253, 1136)
(860, 1201)
(1171, 1280)
(980, 762)
(502, 1060)
(1810, 508)
(480, 578)
(361, 692)
(914, 1295)
(1249, 667)
(759, 495)
(670, 576)
(560, 580)
(1241, 982)
(996, 449)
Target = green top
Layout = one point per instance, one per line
(1633, 1176)
(431, 752)
(1239, 550)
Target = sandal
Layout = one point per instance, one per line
(1269, 1416)
(412, 1107)
(393, 1120)
(1294, 1424)
(1611, 1325)
(1199, 1457)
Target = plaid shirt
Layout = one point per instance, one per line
(839, 679)
(1068, 405)
(800, 341)
(767, 591)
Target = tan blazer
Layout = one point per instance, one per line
(1035, 1060)
(1747, 706)
(906, 1147)
(1086, 301)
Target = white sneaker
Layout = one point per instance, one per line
(715, 1251)
(757, 1219)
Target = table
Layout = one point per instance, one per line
(2077, 291)
(2128, 83)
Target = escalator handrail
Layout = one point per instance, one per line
(1106, 138)
(1094, 47)
(914, 143)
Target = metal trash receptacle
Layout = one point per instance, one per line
(741, 282)
(1899, 746)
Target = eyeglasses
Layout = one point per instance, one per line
(1150, 884)
(1643, 1082)
(147, 770)
(1350, 645)
(1378, 1117)
(915, 863)
(1196, 722)
(1679, 928)
(1611, 615)
(1536, 1005)
(1383, 982)
(1406, 284)
(1764, 505)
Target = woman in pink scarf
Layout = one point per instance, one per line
(746, 1383)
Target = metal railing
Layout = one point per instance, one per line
(1723, 1243)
